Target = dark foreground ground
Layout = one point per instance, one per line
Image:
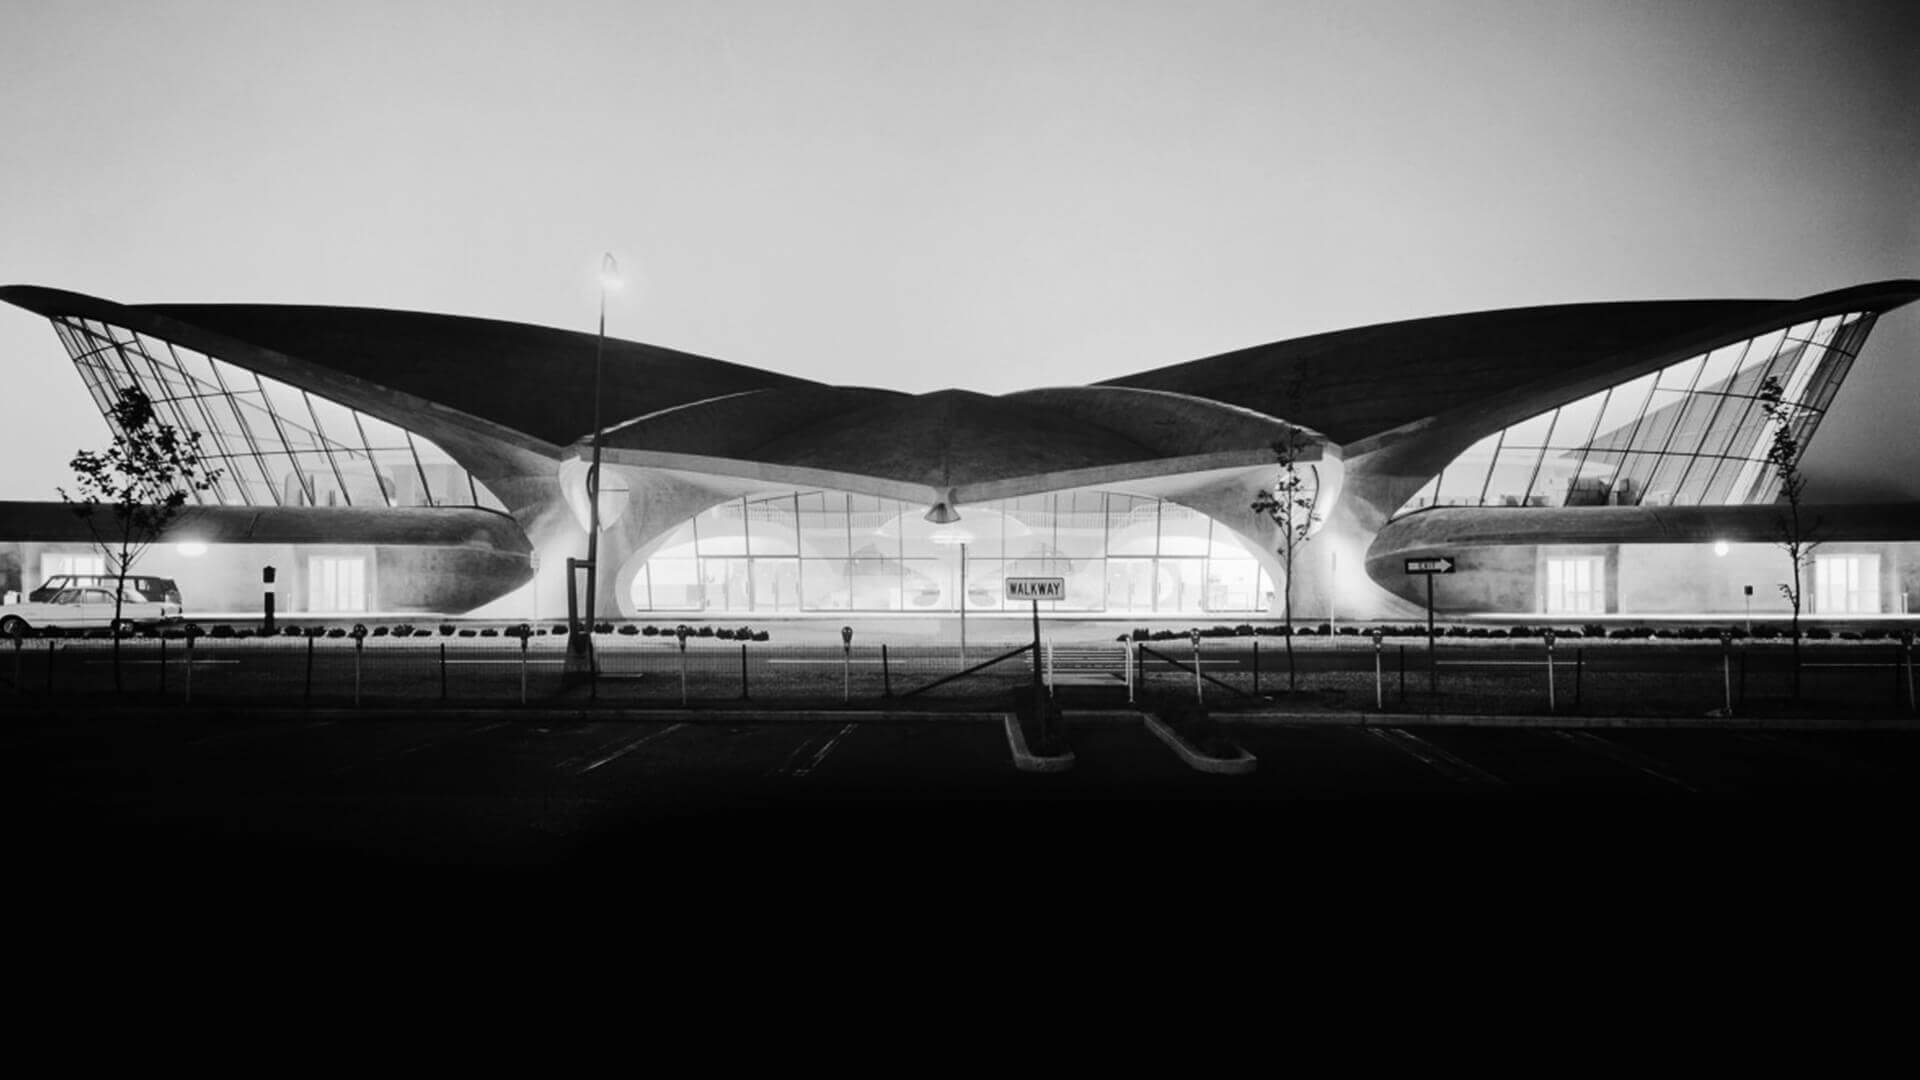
(686, 802)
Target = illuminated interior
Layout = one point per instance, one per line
(1690, 434)
(800, 551)
(276, 445)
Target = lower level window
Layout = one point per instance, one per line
(54, 564)
(336, 584)
(1846, 584)
(1576, 584)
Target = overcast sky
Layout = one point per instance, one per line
(992, 196)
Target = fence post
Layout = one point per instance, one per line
(1256, 667)
(18, 644)
(744, 696)
(308, 694)
(1379, 687)
(1194, 635)
(359, 644)
(190, 636)
(1552, 705)
(49, 664)
(886, 673)
(1906, 645)
(1579, 672)
(162, 639)
(443, 671)
(526, 637)
(1403, 675)
(1726, 670)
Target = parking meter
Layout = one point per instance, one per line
(681, 632)
(1194, 635)
(359, 631)
(1548, 634)
(1378, 636)
(846, 637)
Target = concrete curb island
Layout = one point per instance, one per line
(1197, 758)
(1027, 761)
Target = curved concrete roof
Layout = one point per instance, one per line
(1356, 384)
(532, 379)
(678, 409)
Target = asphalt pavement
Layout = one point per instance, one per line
(240, 792)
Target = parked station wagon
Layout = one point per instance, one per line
(86, 607)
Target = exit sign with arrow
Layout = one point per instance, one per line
(1439, 564)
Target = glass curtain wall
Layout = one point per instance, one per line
(820, 551)
(1690, 434)
(276, 445)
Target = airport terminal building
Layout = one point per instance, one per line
(1574, 460)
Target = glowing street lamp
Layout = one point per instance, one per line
(583, 637)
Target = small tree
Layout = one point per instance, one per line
(129, 494)
(1289, 504)
(1793, 534)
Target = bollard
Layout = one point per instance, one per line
(1552, 705)
(743, 672)
(1126, 656)
(1256, 668)
(308, 693)
(443, 671)
(1379, 687)
(1194, 635)
(886, 673)
(526, 636)
(359, 635)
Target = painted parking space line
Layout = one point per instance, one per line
(794, 765)
(411, 748)
(628, 748)
(1447, 764)
(1586, 740)
(256, 733)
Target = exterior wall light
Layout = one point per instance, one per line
(193, 549)
(1720, 548)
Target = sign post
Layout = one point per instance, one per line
(1436, 564)
(1036, 589)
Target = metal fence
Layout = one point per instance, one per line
(1338, 675)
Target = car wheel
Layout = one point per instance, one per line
(13, 626)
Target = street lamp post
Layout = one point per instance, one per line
(609, 279)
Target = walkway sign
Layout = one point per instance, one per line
(1437, 564)
(1036, 588)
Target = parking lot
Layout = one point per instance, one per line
(516, 789)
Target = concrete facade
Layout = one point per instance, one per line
(1378, 413)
